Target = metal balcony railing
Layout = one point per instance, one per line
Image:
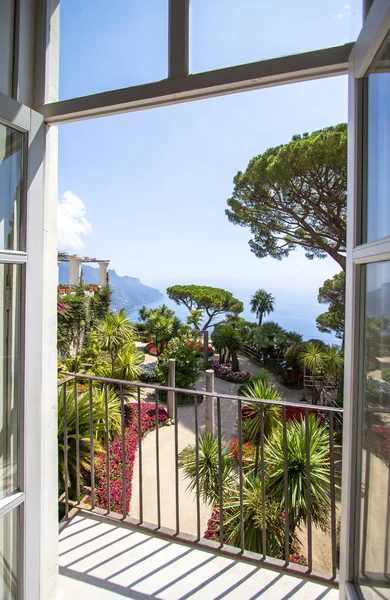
(85, 495)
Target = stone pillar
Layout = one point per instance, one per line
(103, 268)
(171, 383)
(210, 402)
(74, 270)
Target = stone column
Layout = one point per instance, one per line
(103, 268)
(74, 270)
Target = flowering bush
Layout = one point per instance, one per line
(148, 373)
(224, 371)
(248, 449)
(199, 347)
(146, 423)
(293, 413)
(151, 349)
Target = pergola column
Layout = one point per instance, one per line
(103, 268)
(74, 270)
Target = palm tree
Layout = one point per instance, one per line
(208, 468)
(296, 471)
(227, 339)
(271, 338)
(313, 359)
(143, 313)
(161, 326)
(262, 303)
(114, 332)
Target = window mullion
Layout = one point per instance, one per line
(178, 55)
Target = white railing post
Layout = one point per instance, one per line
(171, 383)
(210, 402)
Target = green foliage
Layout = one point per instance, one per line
(332, 292)
(296, 470)
(188, 363)
(210, 300)
(260, 375)
(256, 412)
(386, 375)
(195, 318)
(99, 428)
(127, 364)
(295, 195)
(293, 356)
(113, 333)
(272, 339)
(208, 471)
(228, 341)
(262, 303)
(77, 315)
(253, 519)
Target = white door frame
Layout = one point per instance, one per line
(375, 29)
(38, 464)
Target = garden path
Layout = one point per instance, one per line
(186, 436)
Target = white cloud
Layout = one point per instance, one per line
(72, 223)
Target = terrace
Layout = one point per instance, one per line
(139, 532)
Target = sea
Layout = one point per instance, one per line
(293, 313)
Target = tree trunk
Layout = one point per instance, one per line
(260, 318)
(314, 389)
(235, 363)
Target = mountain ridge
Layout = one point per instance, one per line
(128, 292)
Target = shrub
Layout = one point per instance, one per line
(224, 371)
(149, 373)
(188, 363)
(147, 422)
(386, 375)
(151, 349)
(199, 347)
(260, 375)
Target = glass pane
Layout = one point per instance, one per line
(7, 8)
(378, 149)
(9, 550)
(10, 375)
(11, 144)
(375, 474)
(109, 45)
(224, 33)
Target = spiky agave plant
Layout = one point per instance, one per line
(208, 472)
(296, 471)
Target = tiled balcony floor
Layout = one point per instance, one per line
(101, 561)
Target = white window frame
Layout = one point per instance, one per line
(38, 477)
(375, 29)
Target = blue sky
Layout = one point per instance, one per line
(149, 189)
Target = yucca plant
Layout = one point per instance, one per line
(253, 519)
(256, 412)
(114, 332)
(128, 363)
(296, 471)
(208, 472)
(99, 428)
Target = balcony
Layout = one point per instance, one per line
(105, 560)
(140, 534)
